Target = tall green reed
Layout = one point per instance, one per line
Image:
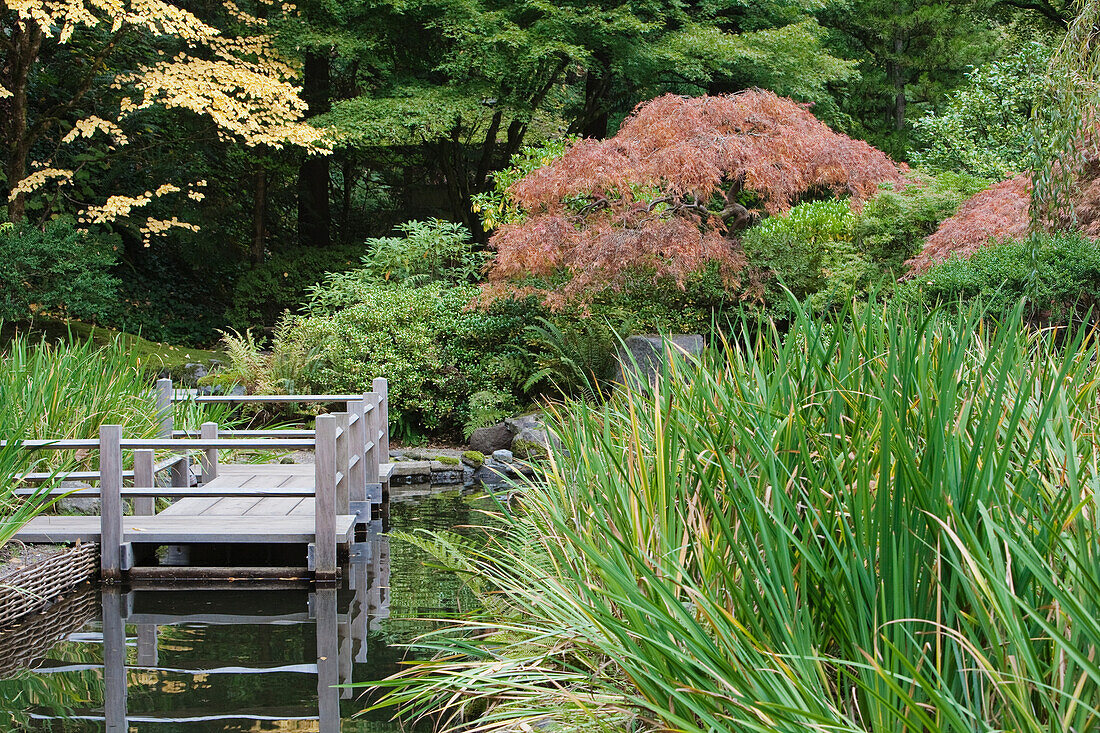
(880, 522)
(66, 390)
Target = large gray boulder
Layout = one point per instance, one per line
(78, 504)
(489, 439)
(644, 357)
(531, 440)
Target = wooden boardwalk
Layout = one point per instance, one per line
(316, 506)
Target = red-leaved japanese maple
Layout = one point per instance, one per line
(1003, 212)
(667, 193)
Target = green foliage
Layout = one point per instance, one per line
(811, 251)
(496, 207)
(432, 345)
(984, 129)
(867, 522)
(892, 226)
(263, 292)
(56, 270)
(574, 360)
(429, 251)
(281, 370)
(1059, 275)
(488, 407)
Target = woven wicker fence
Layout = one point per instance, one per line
(25, 643)
(37, 585)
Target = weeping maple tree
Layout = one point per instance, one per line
(670, 191)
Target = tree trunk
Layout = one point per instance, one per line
(313, 173)
(259, 216)
(592, 121)
(897, 78)
(26, 41)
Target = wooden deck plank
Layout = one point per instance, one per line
(280, 507)
(305, 509)
(161, 529)
(234, 507)
(189, 507)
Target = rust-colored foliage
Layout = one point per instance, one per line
(665, 192)
(995, 214)
(1003, 212)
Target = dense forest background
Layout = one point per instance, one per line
(210, 208)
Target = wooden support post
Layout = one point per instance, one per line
(164, 407)
(110, 497)
(343, 455)
(357, 441)
(209, 461)
(144, 506)
(181, 472)
(381, 387)
(324, 540)
(328, 661)
(374, 451)
(114, 660)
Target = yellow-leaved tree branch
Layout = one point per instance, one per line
(235, 77)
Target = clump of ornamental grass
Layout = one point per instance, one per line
(66, 390)
(883, 522)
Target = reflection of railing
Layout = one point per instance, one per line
(343, 619)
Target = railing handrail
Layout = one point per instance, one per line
(349, 449)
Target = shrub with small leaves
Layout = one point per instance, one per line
(809, 249)
(1059, 275)
(435, 349)
(893, 225)
(56, 269)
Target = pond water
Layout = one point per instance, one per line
(236, 657)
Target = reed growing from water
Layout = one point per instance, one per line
(885, 521)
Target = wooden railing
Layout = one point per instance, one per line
(349, 446)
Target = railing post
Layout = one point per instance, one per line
(209, 461)
(357, 476)
(181, 472)
(324, 540)
(343, 456)
(371, 446)
(144, 479)
(164, 407)
(381, 387)
(110, 497)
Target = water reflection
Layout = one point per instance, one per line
(235, 657)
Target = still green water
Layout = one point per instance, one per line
(237, 658)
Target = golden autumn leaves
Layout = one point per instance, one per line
(240, 82)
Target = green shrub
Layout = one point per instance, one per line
(431, 251)
(262, 293)
(985, 126)
(1059, 275)
(56, 270)
(433, 347)
(892, 227)
(810, 251)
